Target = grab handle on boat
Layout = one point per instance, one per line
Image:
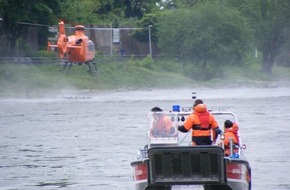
(232, 146)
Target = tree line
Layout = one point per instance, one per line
(204, 33)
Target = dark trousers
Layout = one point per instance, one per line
(202, 140)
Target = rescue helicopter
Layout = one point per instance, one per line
(74, 49)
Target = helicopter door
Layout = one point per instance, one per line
(91, 46)
(91, 50)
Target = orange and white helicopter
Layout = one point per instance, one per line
(74, 49)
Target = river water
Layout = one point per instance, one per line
(86, 140)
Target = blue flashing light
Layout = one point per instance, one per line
(176, 108)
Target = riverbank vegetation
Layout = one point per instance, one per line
(31, 80)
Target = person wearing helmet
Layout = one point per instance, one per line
(230, 132)
(203, 125)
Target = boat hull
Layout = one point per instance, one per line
(229, 174)
(238, 174)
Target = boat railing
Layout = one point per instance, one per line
(232, 148)
(166, 134)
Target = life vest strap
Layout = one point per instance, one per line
(198, 127)
(235, 146)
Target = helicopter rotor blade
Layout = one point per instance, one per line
(34, 24)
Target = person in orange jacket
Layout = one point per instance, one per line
(203, 125)
(231, 132)
(162, 125)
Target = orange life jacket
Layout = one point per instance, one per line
(200, 121)
(162, 125)
(203, 120)
(233, 134)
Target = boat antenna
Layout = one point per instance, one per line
(193, 95)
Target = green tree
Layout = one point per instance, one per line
(16, 12)
(83, 11)
(137, 8)
(270, 21)
(148, 20)
(106, 11)
(207, 33)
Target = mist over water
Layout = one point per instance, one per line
(87, 140)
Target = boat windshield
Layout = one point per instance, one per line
(162, 128)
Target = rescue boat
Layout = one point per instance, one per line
(169, 161)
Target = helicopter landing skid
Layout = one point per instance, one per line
(92, 66)
(66, 65)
